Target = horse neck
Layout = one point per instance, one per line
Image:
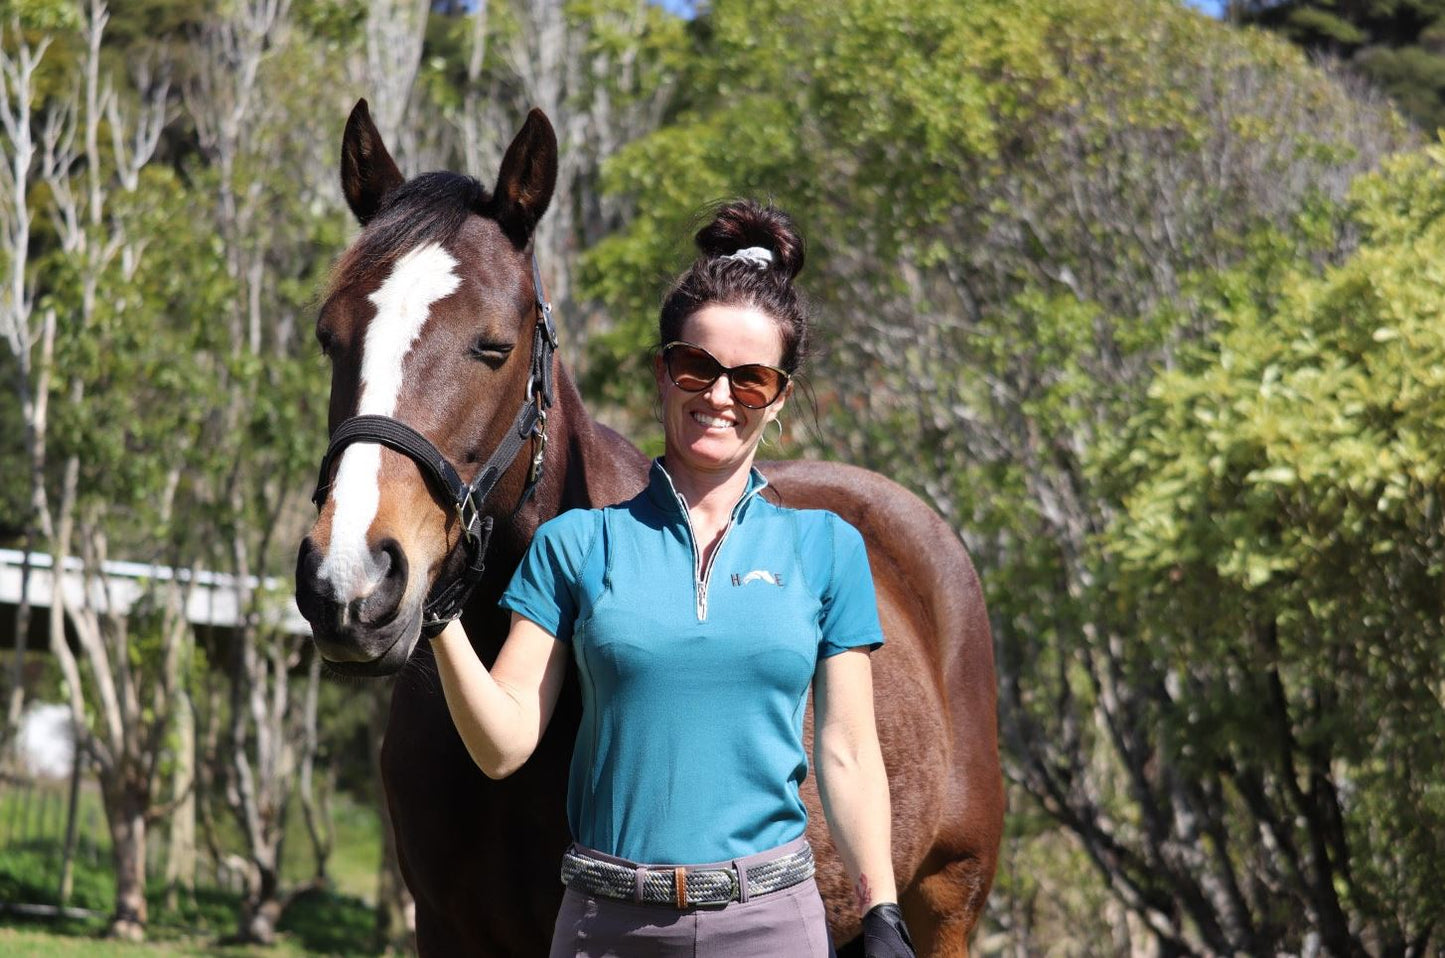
(585, 465)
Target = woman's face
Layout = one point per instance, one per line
(710, 431)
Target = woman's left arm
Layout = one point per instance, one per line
(851, 778)
(854, 787)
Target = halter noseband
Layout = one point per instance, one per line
(446, 599)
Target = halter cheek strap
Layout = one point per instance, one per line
(447, 598)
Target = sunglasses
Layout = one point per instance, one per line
(692, 368)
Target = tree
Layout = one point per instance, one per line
(1395, 44)
(604, 71)
(265, 165)
(1292, 461)
(31, 344)
(120, 696)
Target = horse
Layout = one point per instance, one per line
(428, 320)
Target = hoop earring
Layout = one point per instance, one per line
(776, 421)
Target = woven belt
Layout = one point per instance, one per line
(684, 887)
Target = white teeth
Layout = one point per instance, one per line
(710, 421)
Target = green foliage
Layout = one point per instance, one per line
(42, 16)
(1293, 461)
(325, 923)
(1394, 45)
(145, 407)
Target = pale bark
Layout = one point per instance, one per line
(481, 148)
(315, 800)
(180, 873)
(395, 31)
(19, 60)
(128, 846)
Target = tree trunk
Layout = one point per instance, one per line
(126, 812)
(16, 705)
(315, 805)
(262, 908)
(181, 844)
(72, 816)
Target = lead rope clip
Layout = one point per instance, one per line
(540, 432)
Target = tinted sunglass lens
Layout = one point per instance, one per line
(755, 386)
(691, 368)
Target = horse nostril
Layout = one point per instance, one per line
(394, 559)
(383, 601)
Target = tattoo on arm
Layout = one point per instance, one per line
(862, 891)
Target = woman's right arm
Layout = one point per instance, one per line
(501, 714)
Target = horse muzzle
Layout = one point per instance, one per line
(366, 635)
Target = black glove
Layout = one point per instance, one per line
(885, 935)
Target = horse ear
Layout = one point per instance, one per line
(527, 179)
(368, 172)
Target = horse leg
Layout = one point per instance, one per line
(943, 908)
(436, 937)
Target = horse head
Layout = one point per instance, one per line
(430, 322)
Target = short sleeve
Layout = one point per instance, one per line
(849, 605)
(545, 587)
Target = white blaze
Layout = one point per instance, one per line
(403, 303)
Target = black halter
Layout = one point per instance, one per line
(447, 598)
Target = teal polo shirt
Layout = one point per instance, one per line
(694, 679)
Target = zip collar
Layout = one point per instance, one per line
(664, 494)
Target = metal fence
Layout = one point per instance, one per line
(47, 827)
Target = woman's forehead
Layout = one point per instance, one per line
(735, 334)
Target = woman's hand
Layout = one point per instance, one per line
(884, 933)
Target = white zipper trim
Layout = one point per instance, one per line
(701, 576)
(699, 587)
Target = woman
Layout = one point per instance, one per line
(700, 613)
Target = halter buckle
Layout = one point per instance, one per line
(549, 329)
(468, 504)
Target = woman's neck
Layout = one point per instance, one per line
(711, 493)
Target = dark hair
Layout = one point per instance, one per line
(714, 280)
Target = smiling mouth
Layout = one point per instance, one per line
(711, 422)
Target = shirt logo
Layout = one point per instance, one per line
(758, 575)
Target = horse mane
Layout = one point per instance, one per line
(429, 208)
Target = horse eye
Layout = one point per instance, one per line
(491, 353)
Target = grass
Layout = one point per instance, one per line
(316, 923)
(334, 922)
(33, 942)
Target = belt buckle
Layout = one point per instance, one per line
(724, 897)
(735, 885)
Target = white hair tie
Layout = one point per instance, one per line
(759, 256)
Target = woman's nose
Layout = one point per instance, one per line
(720, 392)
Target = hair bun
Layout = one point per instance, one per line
(741, 224)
